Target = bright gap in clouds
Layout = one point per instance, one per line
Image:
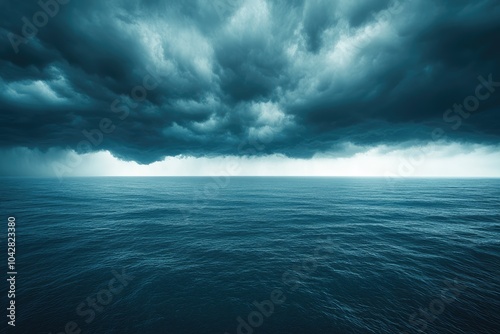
(446, 160)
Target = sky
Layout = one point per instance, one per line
(250, 87)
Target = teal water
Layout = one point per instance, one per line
(254, 255)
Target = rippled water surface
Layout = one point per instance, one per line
(255, 255)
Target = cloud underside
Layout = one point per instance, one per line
(155, 79)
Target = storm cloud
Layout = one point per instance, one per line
(151, 79)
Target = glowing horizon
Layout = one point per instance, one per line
(436, 160)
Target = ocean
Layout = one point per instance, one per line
(253, 255)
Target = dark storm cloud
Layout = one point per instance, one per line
(295, 77)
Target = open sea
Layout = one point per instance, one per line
(253, 255)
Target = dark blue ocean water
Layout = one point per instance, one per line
(192, 255)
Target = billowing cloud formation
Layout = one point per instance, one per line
(150, 79)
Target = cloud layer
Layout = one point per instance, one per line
(150, 79)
